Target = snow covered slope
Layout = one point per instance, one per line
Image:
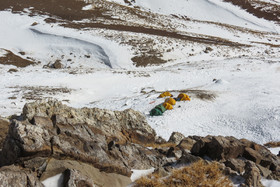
(120, 57)
(44, 43)
(206, 10)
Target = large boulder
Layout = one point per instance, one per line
(188, 142)
(128, 125)
(176, 138)
(218, 147)
(111, 141)
(228, 149)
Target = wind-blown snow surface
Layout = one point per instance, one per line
(206, 10)
(45, 43)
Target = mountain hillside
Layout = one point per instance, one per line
(115, 57)
(118, 54)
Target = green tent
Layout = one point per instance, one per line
(158, 110)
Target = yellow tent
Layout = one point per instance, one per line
(168, 106)
(165, 94)
(183, 97)
(170, 101)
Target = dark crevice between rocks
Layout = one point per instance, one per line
(66, 177)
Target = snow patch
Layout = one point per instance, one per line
(270, 183)
(140, 173)
(47, 43)
(88, 7)
(55, 181)
(275, 150)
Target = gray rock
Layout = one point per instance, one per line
(111, 141)
(126, 125)
(235, 164)
(187, 143)
(176, 137)
(264, 171)
(74, 178)
(16, 176)
(252, 175)
(187, 159)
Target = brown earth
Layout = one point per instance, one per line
(260, 9)
(104, 15)
(156, 32)
(71, 10)
(147, 60)
(11, 59)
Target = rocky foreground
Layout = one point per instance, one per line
(97, 147)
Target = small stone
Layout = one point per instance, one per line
(12, 70)
(57, 65)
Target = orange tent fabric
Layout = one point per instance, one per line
(183, 97)
(165, 94)
(170, 101)
(168, 106)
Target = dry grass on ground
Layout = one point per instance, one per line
(197, 174)
(163, 145)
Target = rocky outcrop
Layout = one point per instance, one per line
(4, 127)
(127, 125)
(176, 137)
(252, 175)
(110, 141)
(16, 176)
(74, 178)
(97, 147)
(239, 156)
(76, 172)
(218, 147)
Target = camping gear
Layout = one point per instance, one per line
(165, 94)
(168, 106)
(170, 101)
(183, 97)
(158, 110)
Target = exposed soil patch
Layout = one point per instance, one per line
(260, 9)
(40, 92)
(111, 16)
(156, 32)
(12, 59)
(64, 9)
(147, 60)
